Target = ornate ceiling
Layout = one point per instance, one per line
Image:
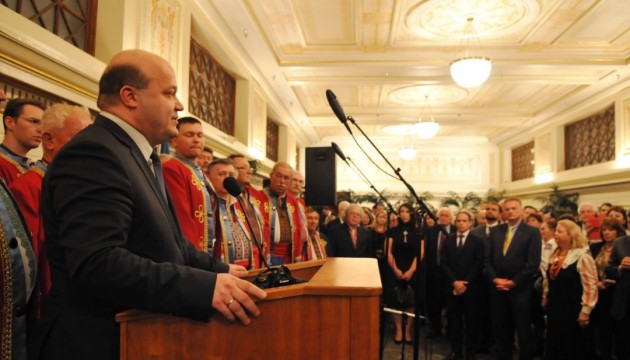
(383, 57)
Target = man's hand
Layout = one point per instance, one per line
(237, 270)
(233, 298)
(625, 263)
(503, 284)
(459, 287)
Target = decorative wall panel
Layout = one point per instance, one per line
(523, 162)
(591, 140)
(72, 20)
(212, 90)
(273, 140)
(159, 30)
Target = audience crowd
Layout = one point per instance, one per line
(559, 283)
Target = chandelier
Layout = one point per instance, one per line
(426, 129)
(407, 151)
(470, 71)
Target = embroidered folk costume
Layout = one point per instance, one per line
(191, 196)
(27, 190)
(281, 227)
(12, 165)
(18, 274)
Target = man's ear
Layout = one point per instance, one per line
(9, 122)
(47, 142)
(128, 96)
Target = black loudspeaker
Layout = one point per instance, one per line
(321, 177)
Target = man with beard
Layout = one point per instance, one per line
(493, 215)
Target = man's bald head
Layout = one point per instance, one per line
(129, 67)
(141, 89)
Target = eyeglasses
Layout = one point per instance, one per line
(244, 168)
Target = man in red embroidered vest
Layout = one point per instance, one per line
(187, 185)
(244, 173)
(205, 159)
(22, 120)
(233, 243)
(295, 188)
(59, 124)
(315, 245)
(281, 219)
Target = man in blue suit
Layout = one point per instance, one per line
(511, 262)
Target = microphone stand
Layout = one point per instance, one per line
(424, 209)
(385, 259)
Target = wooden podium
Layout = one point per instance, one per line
(335, 315)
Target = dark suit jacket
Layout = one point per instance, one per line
(331, 225)
(431, 243)
(620, 249)
(465, 263)
(340, 244)
(522, 259)
(113, 244)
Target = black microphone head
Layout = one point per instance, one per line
(232, 186)
(338, 151)
(334, 104)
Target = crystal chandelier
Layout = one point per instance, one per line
(470, 71)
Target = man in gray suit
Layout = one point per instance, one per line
(511, 262)
(112, 236)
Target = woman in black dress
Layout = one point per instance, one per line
(402, 256)
(570, 294)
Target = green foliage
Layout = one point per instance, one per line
(495, 195)
(471, 201)
(558, 203)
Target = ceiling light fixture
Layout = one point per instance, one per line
(470, 71)
(407, 151)
(426, 129)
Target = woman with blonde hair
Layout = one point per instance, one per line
(569, 295)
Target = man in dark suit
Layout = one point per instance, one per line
(435, 282)
(619, 269)
(511, 262)
(462, 263)
(112, 237)
(337, 220)
(493, 215)
(349, 239)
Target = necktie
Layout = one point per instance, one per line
(441, 243)
(508, 240)
(353, 235)
(487, 230)
(460, 240)
(157, 170)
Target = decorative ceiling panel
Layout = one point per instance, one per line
(378, 56)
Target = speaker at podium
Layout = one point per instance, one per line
(321, 176)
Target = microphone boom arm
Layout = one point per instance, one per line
(423, 206)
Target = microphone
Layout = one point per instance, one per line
(336, 108)
(338, 151)
(234, 188)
